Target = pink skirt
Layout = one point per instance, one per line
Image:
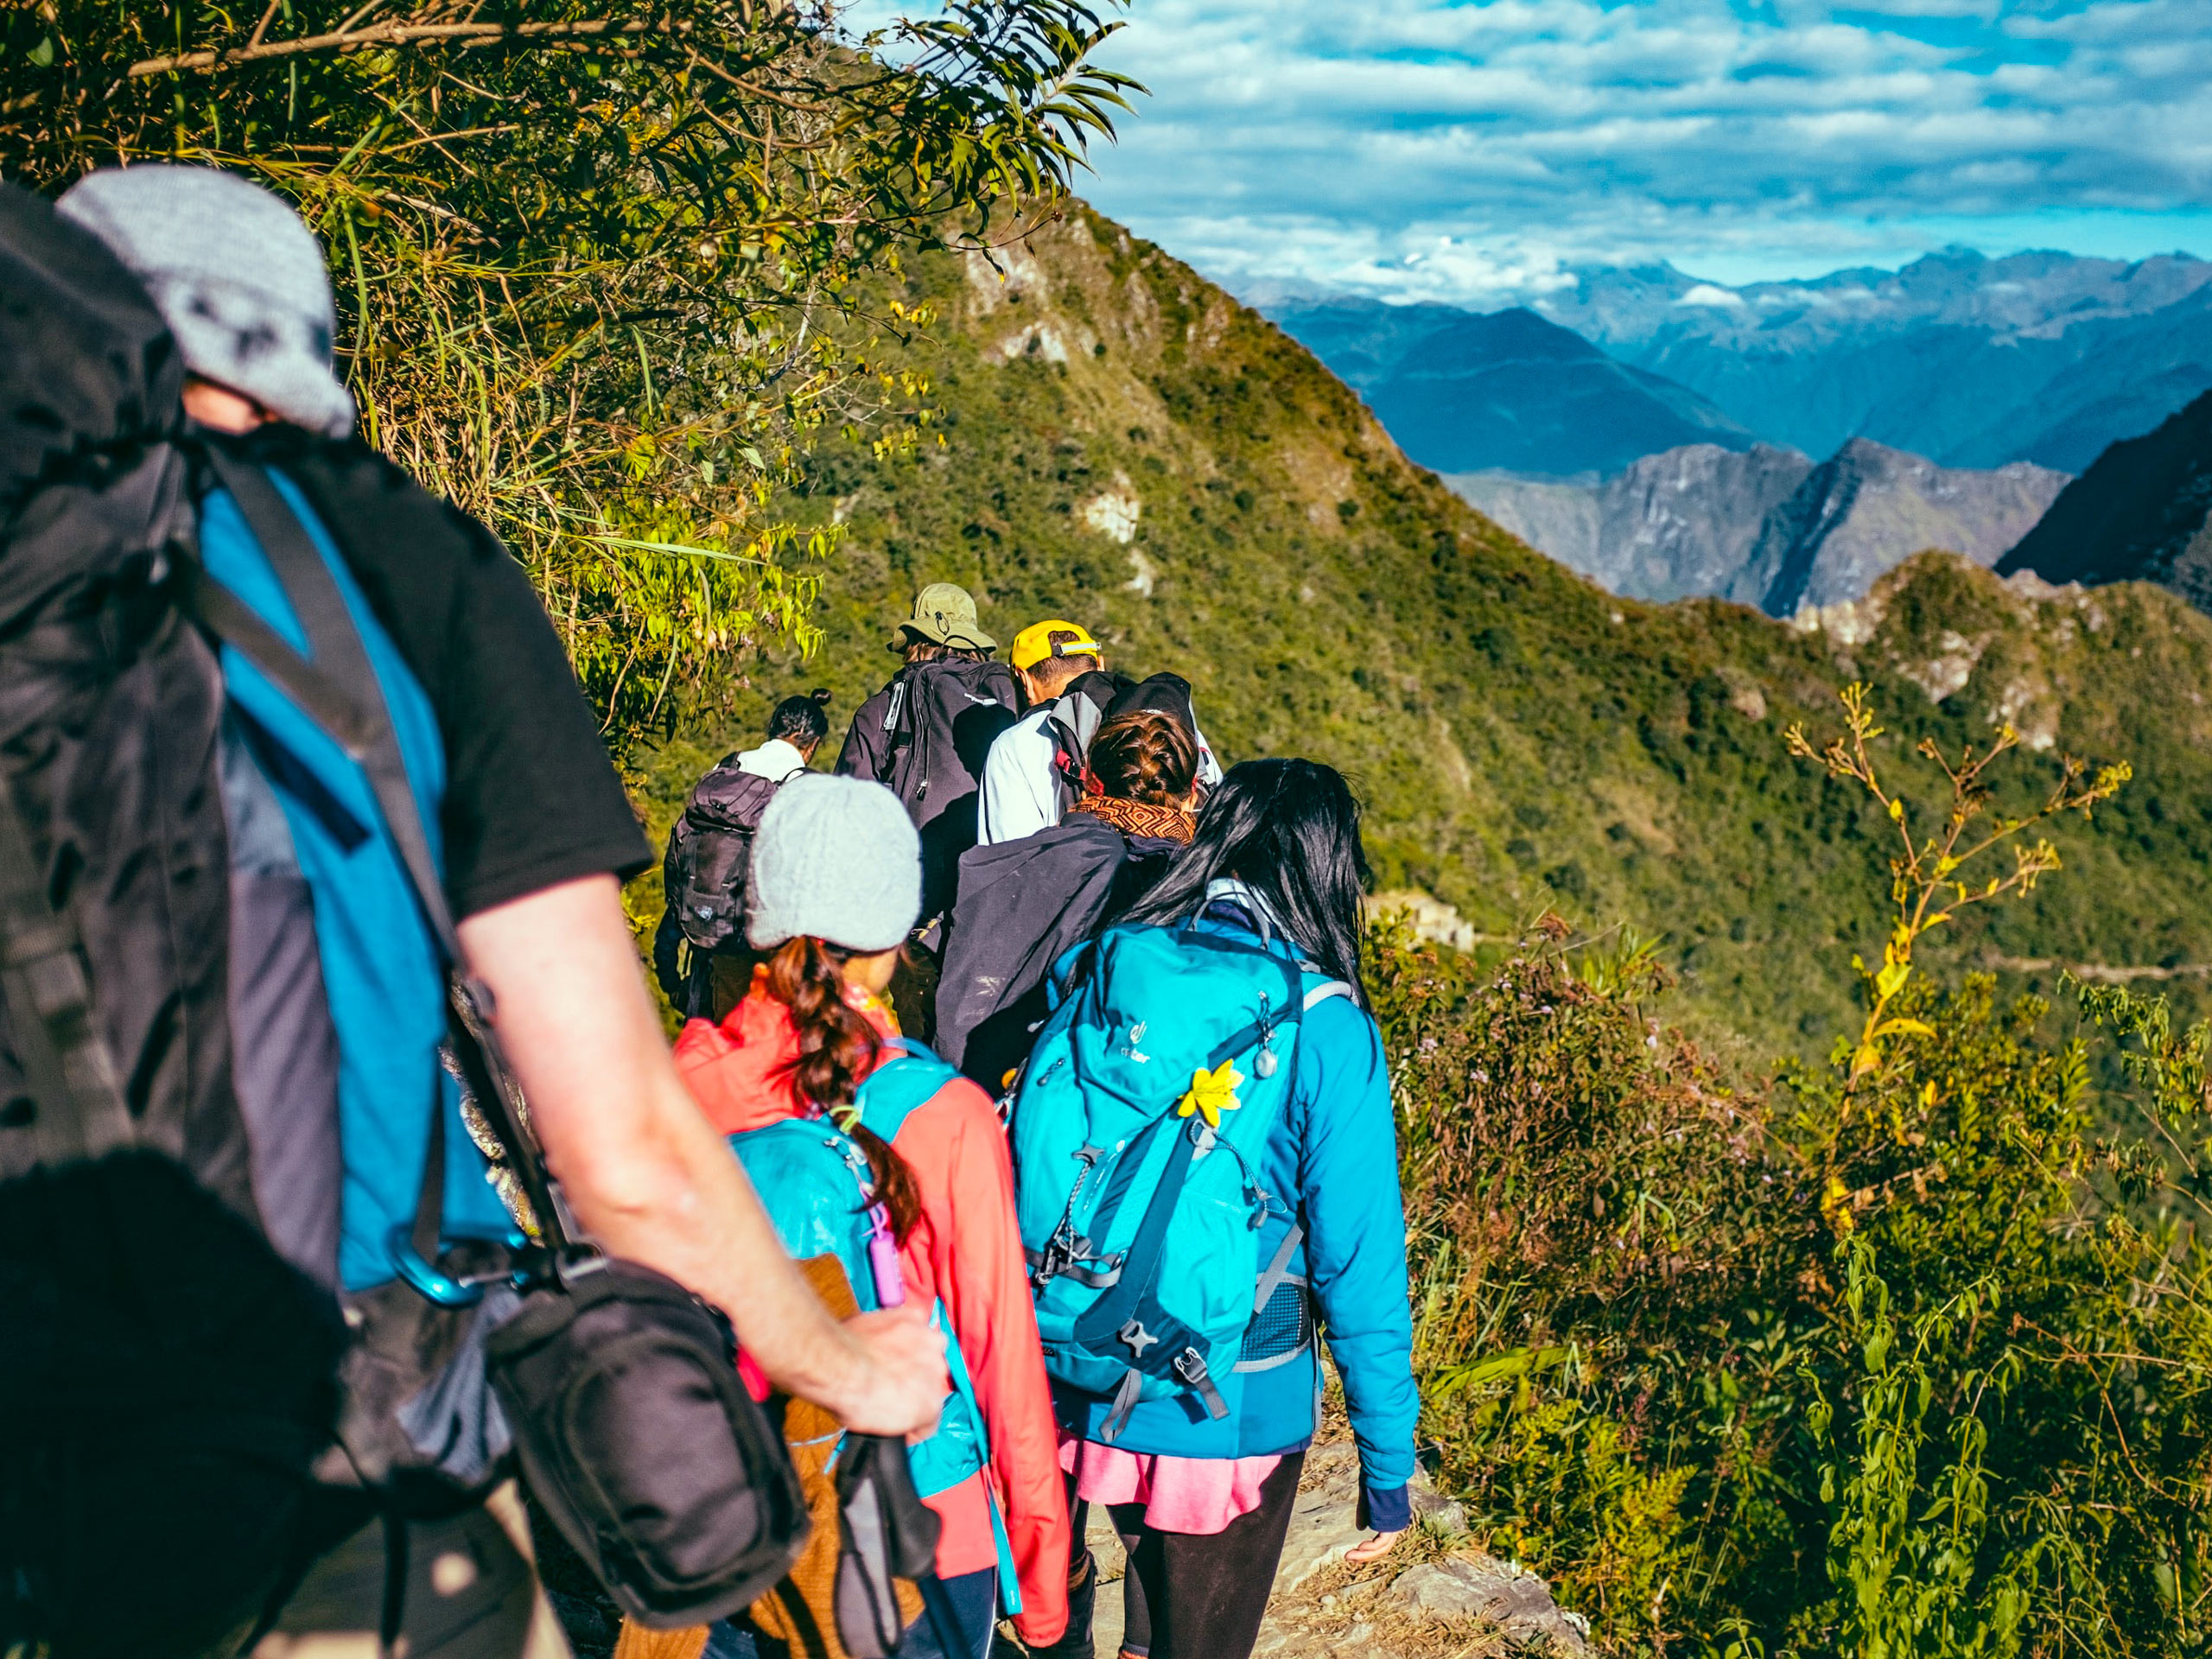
(1196, 1495)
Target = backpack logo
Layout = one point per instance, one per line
(1130, 1049)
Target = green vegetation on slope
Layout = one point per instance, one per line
(1903, 1354)
(1120, 441)
(590, 260)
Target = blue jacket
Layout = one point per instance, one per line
(1336, 1147)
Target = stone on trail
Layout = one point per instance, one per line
(1517, 1601)
(1323, 1526)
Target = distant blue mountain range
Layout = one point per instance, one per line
(1462, 392)
(1968, 361)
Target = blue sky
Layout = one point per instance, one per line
(1461, 151)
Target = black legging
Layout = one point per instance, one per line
(1203, 1595)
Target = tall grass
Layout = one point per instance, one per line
(1906, 1356)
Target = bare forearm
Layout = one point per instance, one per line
(682, 1203)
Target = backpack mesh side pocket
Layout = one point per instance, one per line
(1281, 1331)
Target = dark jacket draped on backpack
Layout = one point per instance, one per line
(1022, 904)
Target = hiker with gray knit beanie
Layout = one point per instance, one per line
(412, 793)
(837, 884)
(240, 282)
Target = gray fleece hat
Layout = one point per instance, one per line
(835, 859)
(239, 278)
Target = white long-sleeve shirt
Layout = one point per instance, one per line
(1021, 791)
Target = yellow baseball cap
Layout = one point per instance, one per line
(1035, 643)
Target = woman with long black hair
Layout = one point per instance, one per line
(1203, 1500)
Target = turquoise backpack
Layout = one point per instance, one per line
(814, 1183)
(1138, 1133)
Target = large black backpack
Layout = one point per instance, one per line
(709, 853)
(168, 1377)
(172, 1386)
(945, 716)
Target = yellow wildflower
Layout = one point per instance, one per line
(1212, 1093)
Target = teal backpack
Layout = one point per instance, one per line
(1138, 1132)
(814, 1182)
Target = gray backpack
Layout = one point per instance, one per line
(710, 855)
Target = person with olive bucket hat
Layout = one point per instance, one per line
(926, 734)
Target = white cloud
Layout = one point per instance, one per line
(1708, 294)
(1425, 149)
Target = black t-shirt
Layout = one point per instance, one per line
(531, 798)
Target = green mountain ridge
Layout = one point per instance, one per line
(1123, 443)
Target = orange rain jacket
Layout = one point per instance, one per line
(966, 1252)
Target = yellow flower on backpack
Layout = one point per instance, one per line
(1212, 1093)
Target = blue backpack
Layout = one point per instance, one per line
(1139, 1130)
(814, 1183)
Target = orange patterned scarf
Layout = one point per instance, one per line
(1139, 818)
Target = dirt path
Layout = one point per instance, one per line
(1427, 1599)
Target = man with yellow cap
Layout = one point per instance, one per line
(1023, 789)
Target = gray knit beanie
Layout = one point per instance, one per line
(835, 859)
(239, 278)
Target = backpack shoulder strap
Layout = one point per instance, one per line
(346, 671)
(338, 689)
(1327, 990)
(911, 1078)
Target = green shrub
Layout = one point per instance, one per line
(1903, 1354)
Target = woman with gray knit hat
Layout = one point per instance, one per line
(835, 886)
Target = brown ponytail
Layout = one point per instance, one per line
(836, 1049)
(1145, 755)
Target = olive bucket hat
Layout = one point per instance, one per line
(944, 615)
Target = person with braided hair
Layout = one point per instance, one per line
(1140, 777)
(835, 886)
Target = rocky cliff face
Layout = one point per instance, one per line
(2142, 512)
(1765, 526)
(1672, 525)
(1868, 508)
(1685, 522)
(1561, 517)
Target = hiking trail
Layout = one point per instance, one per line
(1435, 1596)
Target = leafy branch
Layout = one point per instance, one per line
(607, 270)
(1932, 877)
(473, 32)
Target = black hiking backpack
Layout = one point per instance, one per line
(183, 1360)
(709, 852)
(169, 1378)
(943, 718)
